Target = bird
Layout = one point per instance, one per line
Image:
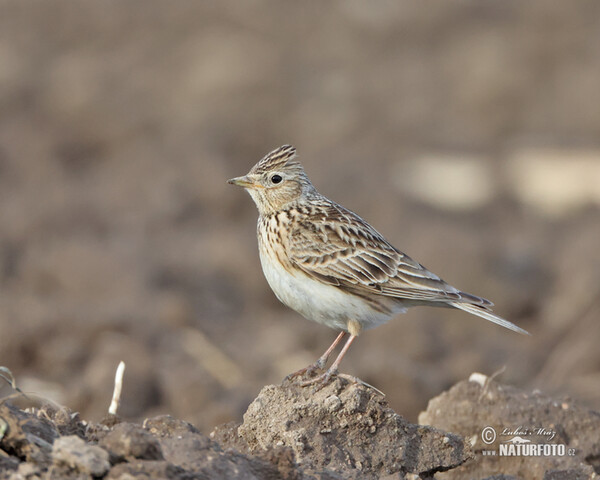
(329, 265)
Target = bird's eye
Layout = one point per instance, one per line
(276, 178)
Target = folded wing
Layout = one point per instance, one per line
(341, 249)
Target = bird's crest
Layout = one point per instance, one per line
(282, 157)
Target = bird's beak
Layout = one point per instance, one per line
(243, 182)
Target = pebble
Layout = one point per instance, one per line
(74, 452)
(333, 403)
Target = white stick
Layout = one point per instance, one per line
(116, 398)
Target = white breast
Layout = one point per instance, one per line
(317, 301)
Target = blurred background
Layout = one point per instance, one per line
(467, 132)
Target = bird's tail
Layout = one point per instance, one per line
(484, 313)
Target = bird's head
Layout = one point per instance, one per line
(276, 181)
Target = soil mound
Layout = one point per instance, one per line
(344, 430)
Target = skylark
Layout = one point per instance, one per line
(332, 267)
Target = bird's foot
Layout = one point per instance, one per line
(308, 371)
(321, 380)
(312, 368)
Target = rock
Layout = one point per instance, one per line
(342, 431)
(73, 452)
(167, 426)
(185, 447)
(127, 441)
(147, 469)
(346, 428)
(9, 463)
(27, 436)
(531, 418)
(28, 470)
(501, 476)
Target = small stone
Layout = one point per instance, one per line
(73, 452)
(28, 470)
(358, 401)
(479, 378)
(127, 441)
(333, 403)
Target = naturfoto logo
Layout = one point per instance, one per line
(514, 441)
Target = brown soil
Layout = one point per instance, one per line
(120, 122)
(120, 240)
(344, 430)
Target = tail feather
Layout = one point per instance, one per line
(483, 313)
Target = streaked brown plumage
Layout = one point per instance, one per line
(331, 266)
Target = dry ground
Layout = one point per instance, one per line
(466, 132)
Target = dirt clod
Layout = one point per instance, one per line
(127, 441)
(469, 407)
(348, 428)
(73, 452)
(26, 436)
(343, 430)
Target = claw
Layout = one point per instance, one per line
(319, 364)
(305, 371)
(321, 380)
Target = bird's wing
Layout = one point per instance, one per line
(337, 247)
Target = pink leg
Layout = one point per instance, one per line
(334, 366)
(338, 360)
(321, 362)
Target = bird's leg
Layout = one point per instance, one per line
(354, 329)
(321, 362)
(324, 379)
